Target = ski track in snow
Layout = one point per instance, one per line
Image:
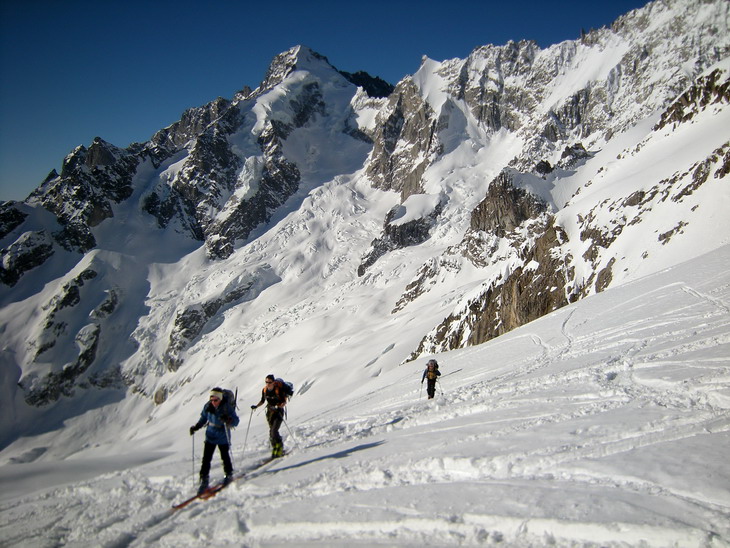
(572, 430)
(605, 423)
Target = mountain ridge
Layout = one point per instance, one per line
(478, 195)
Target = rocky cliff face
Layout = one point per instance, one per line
(513, 88)
(405, 142)
(512, 171)
(218, 173)
(545, 278)
(92, 180)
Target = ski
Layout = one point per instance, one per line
(209, 492)
(184, 503)
(214, 489)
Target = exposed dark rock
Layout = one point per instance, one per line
(81, 197)
(635, 199)
(493, 101)
(573, 155)
(308, 103)
(425, 279)
(197, 195)
(99, 155)
(10, 218)
(68, 297)
(287, 62)
(57, 384)
(279, 180)
(108, 306)
(700, 174)
(160, 396)
(409, 124)
(543, 168)
(29, 251)
(505, 207)
(705, 91)
(206, 197)
(525, 294)
(190, 322)
(399, 235)
(605, 275)
(666, 236)
(193, 122)
(373, 85)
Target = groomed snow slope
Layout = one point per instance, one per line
(605, 423)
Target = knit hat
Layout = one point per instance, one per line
(216, 394)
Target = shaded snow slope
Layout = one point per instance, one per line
(604, 423)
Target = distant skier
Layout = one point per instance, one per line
(431, 374)
(275, 394)
(220, 416)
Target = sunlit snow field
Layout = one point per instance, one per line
(604, 423)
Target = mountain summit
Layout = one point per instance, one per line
(277, 230)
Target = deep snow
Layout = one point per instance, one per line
(604, 423)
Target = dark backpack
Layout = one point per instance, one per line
(229, 398)
(286, 387)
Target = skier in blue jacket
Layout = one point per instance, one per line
(220, 417)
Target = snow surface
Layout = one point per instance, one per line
(605, 423)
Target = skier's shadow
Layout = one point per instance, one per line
(338, 455)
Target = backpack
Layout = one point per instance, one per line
(286, 387)
(229, 398)
(431, 375)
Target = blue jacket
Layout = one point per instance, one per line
(216, 431)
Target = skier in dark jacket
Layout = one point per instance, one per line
(431, 373)
(274, 396)
(220, 417)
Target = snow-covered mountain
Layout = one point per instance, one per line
(291, 227)
(605, 423)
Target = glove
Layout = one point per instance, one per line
(227, 420)
(193, 429)
(254, 406)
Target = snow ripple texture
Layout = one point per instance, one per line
(602, 424)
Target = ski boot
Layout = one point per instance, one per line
(203, 485)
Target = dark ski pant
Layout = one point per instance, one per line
(208, 450)
(275, 416)
(431, 388)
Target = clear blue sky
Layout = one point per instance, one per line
(71, 70)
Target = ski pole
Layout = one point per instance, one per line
(420, 395)
(245, 441)
(296, 443)
(193, 438)
(230, 445)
